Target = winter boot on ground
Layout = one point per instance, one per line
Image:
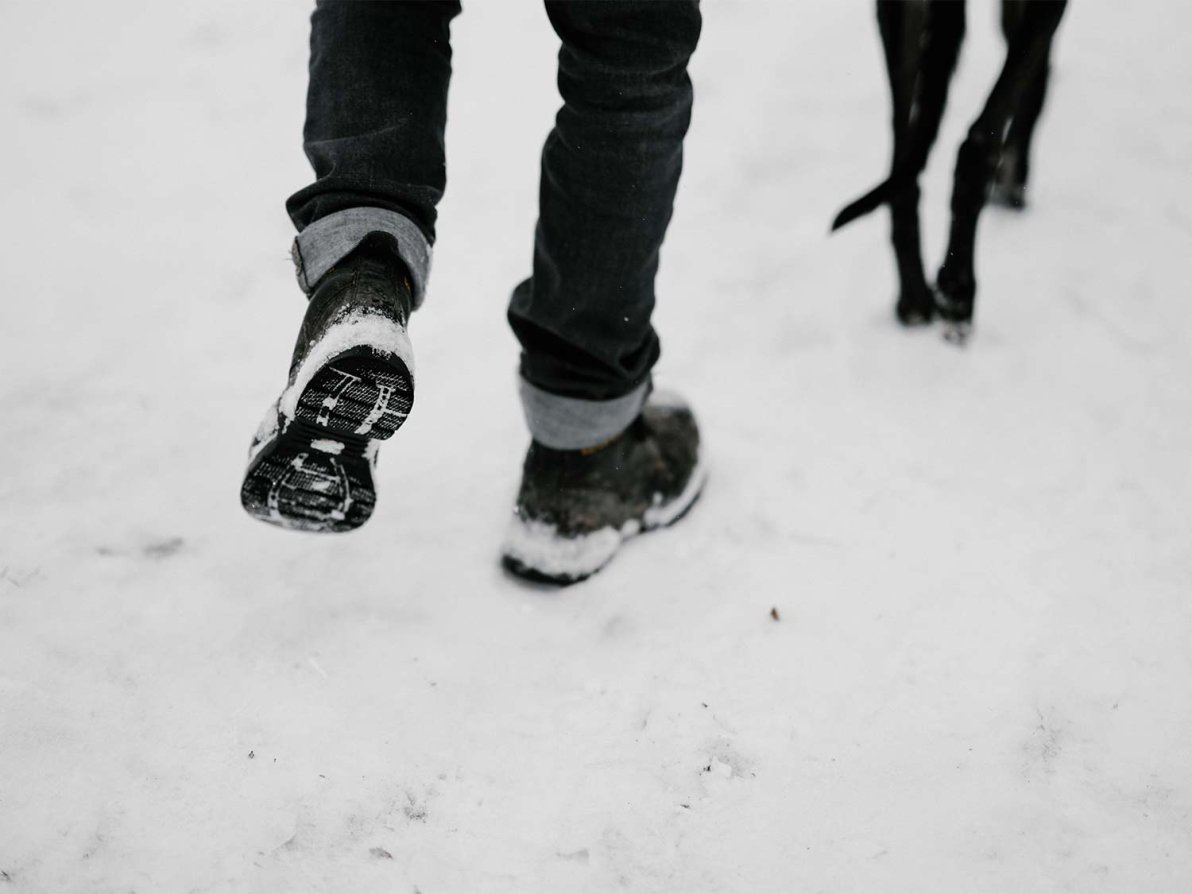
(351, 385)
(576, 507)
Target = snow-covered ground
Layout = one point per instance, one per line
(981, 560)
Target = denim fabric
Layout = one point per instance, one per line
(610, 169)
(329, 239)
(376, 112)
(568, 423)
(376, 107)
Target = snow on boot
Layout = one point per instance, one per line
(576, 507)
(351, 385)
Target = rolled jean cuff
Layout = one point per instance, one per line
(570, 423)
(325, 242)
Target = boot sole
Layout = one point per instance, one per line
(537, 553)
(316, 472)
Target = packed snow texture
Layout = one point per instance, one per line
(539, 545)
(351, 330)
(981, 679)
(328, 445)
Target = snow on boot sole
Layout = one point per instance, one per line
(315, 472)
(536, 551)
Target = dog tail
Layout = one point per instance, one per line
(943, 33)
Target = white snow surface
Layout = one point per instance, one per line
(981, 679)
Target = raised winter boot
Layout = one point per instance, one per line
(351, 386)
(576, 507)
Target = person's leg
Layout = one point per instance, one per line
(610, 169)
(375, 114)
(376, 110)
(605, 463)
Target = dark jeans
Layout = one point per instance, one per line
(376, 112)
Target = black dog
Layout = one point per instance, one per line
(921, 39)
